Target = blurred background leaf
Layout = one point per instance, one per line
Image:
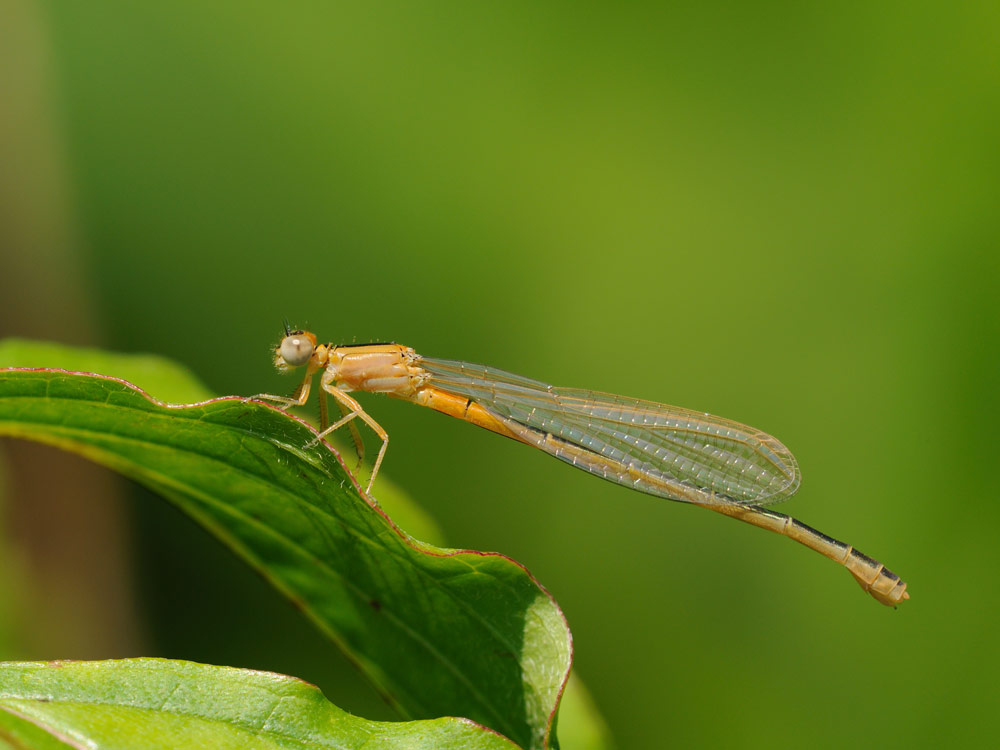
(781, 213)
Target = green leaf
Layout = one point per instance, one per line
(158, 703)
(440, 632)
(173, 383)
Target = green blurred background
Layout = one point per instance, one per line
(782, 213)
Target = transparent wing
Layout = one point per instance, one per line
(659, 449)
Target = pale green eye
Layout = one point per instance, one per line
(296, 350)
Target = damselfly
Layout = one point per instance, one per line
(661, 450)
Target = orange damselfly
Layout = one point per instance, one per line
(661, 450)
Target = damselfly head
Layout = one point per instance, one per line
(294, 350)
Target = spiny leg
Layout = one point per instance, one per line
(324, 422)
(298, 398)
(351, 409)
(323, 416)
(359, 446)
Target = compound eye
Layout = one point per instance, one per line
(297, 349)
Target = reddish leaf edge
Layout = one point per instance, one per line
(415, 544)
